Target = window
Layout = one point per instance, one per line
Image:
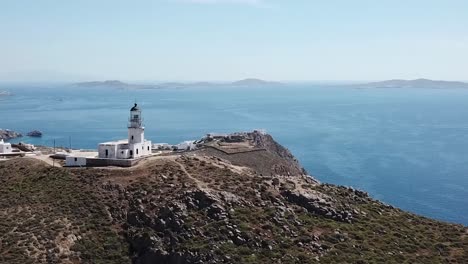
(131, 153)
(107, 152)
(148, 148)
(132, 137)
(135, 116)
(137, 151)
(76, 159)
(121, 152)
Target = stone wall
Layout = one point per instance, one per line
(96, 162)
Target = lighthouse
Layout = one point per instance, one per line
(134, 147)
(137, 144)
(136, 131)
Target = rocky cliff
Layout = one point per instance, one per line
(247, 201)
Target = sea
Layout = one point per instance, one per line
(406, 147)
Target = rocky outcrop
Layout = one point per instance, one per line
(34, 133)
(263, 140)
(320, 205)
(24, 147)
(154, 230)
(256, 150)
(7, 134)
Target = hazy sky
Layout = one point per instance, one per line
(233, 39)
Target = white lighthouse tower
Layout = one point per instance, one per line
(138, 146)
(136, 131)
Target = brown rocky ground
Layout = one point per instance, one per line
(207, 206)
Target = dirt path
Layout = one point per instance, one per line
(200, 184)
(46, 159)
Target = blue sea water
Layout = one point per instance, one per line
(406, 147)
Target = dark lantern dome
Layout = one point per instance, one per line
(135, 108)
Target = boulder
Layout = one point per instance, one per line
(317, 205)
(217, 212)
(200, 198)
(24, 147)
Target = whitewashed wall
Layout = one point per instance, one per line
(71, 161)
(5, 148)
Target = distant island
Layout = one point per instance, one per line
(111, 84)
(418, 83)
(254, 82)
(104, 83)
(173, 85)
(5, 93)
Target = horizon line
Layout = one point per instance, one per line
(130, 81)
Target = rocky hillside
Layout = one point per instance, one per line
(213, 205)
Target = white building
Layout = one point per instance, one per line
(5, 148)
(217, 135)
(186, 145)
(162, 146)
(134, 147)
(73, 161)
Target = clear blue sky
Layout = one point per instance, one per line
(233, 39)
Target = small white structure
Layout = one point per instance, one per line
(261, 131)
(216, 135)
(186, 145)
(75, 161)
(134, 147)
(5, 148)
(161, 146)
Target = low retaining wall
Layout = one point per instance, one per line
(234, 151)
(96, 162)
(13, 154)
